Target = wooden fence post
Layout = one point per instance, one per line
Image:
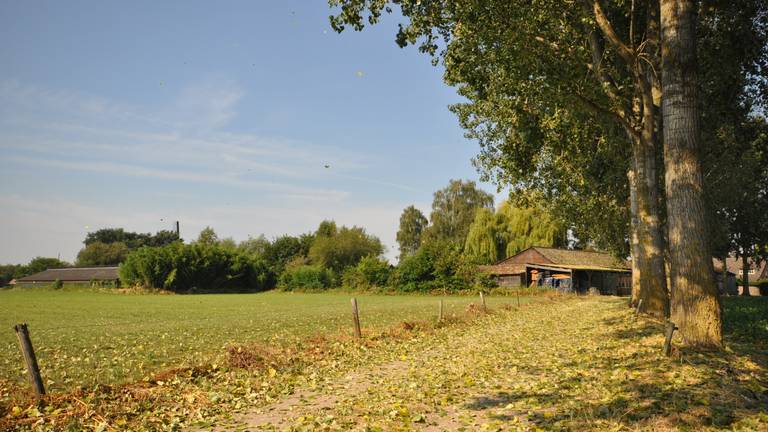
(669, 329)
(639, 305)
(440, 315)
(517, 293)
(22, 332)
(356, 318)
(482, 301)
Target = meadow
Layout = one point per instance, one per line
(556, 363)
(84, 337)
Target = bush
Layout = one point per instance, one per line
(182, 268)
(370, 272)
(436, 265)
(484, 281)
(57, 284)
(306, 277)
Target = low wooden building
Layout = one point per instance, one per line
(565, 270)
(72, 276)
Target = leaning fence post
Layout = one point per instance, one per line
(440, 315)
(356, 318)
(639, 305)
(668, 330)
(482, 301)
(22, 332)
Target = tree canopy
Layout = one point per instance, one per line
(453, 210)
(412, 226)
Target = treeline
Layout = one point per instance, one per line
(9, 272)
(441, 252)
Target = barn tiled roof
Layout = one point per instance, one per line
(580, 258)
(73, 274)
(503, 268)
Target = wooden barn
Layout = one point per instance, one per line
(72, 276)
(563, 269)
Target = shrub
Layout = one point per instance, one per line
(181, 268)
(370, 272)
(57, 284)
(436, 265)
(485, 281)
(306, 277)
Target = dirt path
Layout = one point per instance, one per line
(577, 364)
(456, 379)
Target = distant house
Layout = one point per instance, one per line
(567, 270)
(71, 275)
(755, 272)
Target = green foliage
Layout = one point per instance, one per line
(207, 237)
(38, 264)
(412, 226)
(131, 239)
(57, 284)
(197, 267)
(437, 265)
(110, 246)
(543, 85)
(98, 253)
(284, 249)
(370, 272)
(484, 241)
(306, 277)
(327, 228)
(344, 249)
(453, 210)
(484, 281)
(8, 272)
(522, 228)
(255, 247)
(495, 236)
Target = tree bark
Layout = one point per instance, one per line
(745, 274)
(650, 258)
(634, 239)
(695, 304)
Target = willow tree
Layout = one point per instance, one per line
(511, 229)
(483, 244)
(523, 227)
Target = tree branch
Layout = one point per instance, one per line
(610, 34)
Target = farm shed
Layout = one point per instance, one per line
(72, 276)
(567, 270)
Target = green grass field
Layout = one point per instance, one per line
(84, 338)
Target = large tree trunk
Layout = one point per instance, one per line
(634, 236)
(745, 274)
(650, 258)
(695, 303)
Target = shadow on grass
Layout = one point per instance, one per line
(640, 389)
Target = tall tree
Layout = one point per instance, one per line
(494, 236)
(524, 66)
(453, 210)
(98, 254)
(345, 248)
(695, 304)
(207, 237)
(412, 226)
(531, 226)
(484, 242)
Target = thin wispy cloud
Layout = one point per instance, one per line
(94, 135)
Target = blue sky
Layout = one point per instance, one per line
(136, 114)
